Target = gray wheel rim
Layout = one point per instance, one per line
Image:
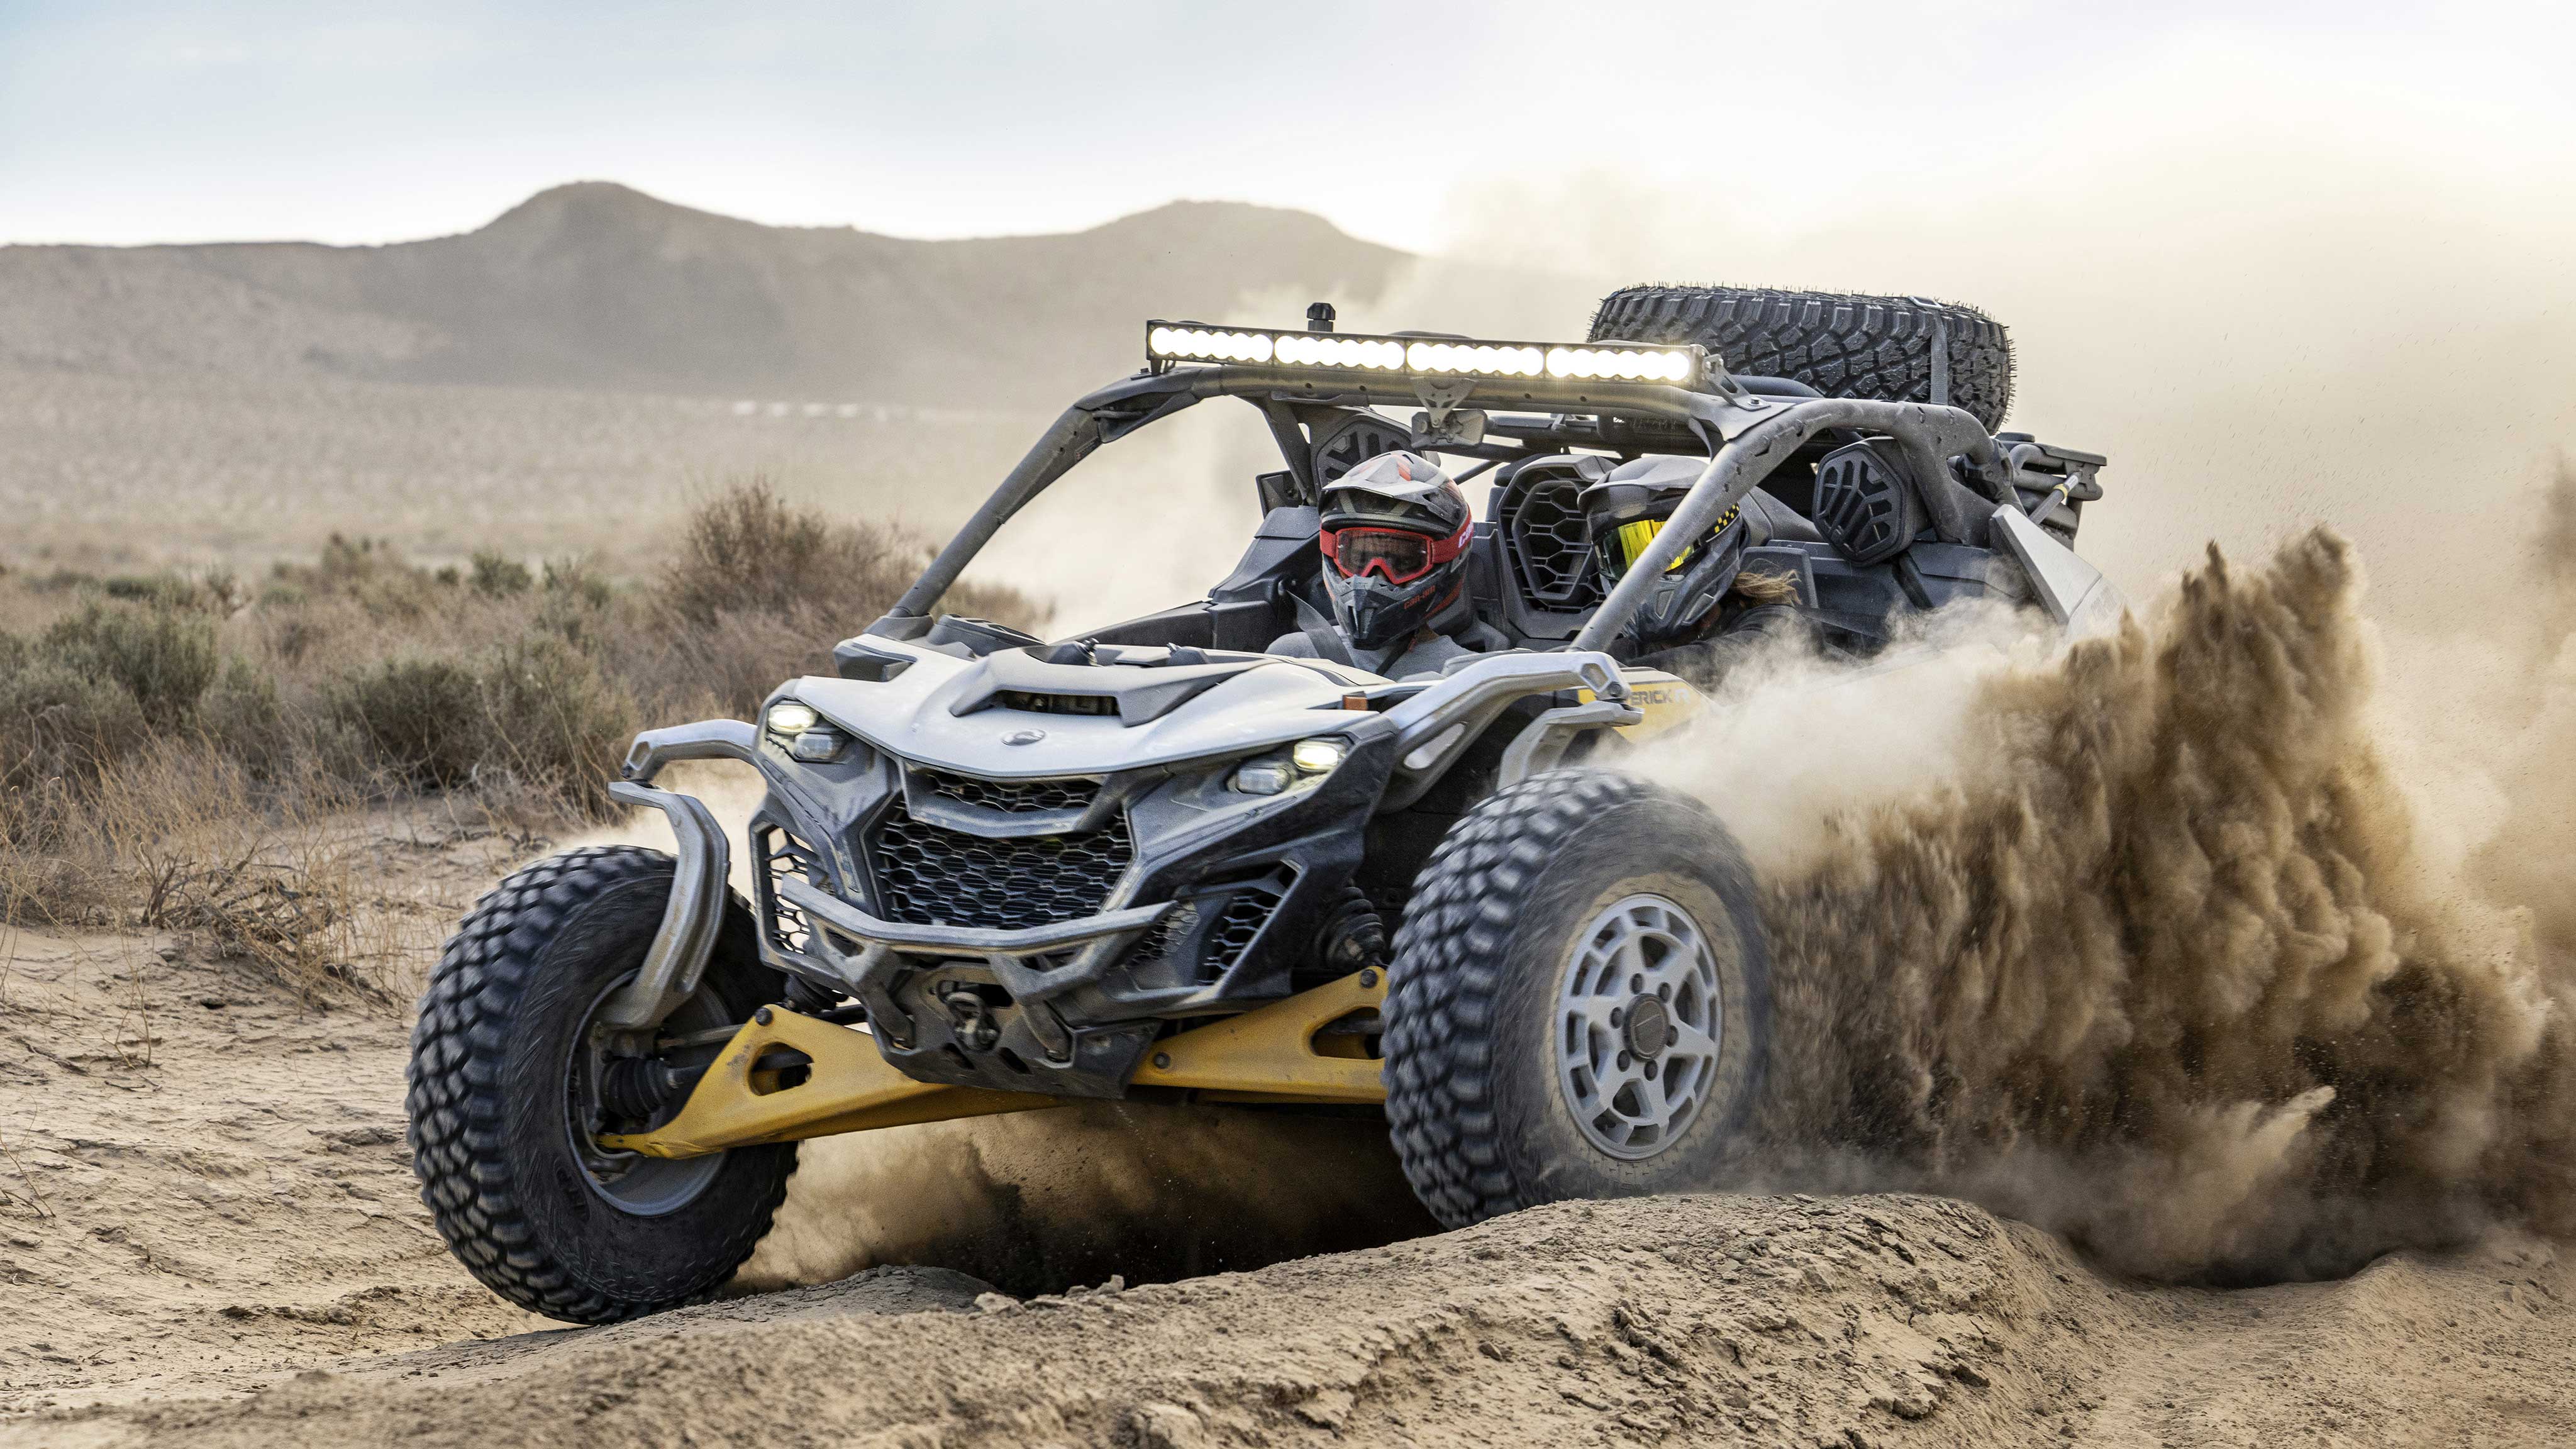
(1639, 1023)
(646, 1187)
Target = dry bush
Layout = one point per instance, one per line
(167, 743)
(747, 551)
(761, 589)
(422, 719)
(269, 885)
(555, 721)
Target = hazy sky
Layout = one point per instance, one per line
(131, 123)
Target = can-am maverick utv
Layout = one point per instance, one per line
(995, 873)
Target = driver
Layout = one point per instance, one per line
(1395, 535)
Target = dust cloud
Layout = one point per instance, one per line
(2136, 941)
(1039, 1201)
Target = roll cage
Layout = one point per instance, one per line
(1746, 427)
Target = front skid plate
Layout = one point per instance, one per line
(1268, 1055)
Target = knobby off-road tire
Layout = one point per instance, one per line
(1842, 346)
(492, 1099)
(1497, 1007)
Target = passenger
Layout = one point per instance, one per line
(1395, 535)
(1707, 612)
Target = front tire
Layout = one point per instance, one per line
(1579, 1005)
(503, 1099)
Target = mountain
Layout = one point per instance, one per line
(597, 286)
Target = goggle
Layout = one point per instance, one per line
(1629, 541)
(1392, 554)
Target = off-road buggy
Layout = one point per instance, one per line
(995, 874)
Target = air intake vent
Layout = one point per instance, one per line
(1012, 797)
(1864, 505)
(1058, 703)
(1245, 915)
(783, 855)
(930, 876)
(1550, 549)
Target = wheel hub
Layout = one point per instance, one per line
(1639, 1026)
(1648, 1027)
(599, 1084)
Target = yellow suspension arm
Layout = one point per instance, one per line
(1268, 1054)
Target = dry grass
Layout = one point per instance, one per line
(174, 754)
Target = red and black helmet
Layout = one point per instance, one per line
(1395, 535)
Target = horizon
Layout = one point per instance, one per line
(150, 124)
(677, 205)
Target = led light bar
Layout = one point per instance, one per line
(1167, 342)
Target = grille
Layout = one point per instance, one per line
(1549, 544)
(783, 855)
(1014, 797)
(930, 876)
(1166, 935)
(1096, 704)
(1245, 913)
(1244, 917)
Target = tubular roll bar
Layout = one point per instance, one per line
(1747, 435)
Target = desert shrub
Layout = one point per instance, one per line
(578, 580)
(420, 718)
(747, 550)
(217, 593)
(198, 846)
(761, 589)
(371, 574)
(362, 676)
(243, 716)
(727, 667)
(498, 576)
(555, 721)
(162, 655)
(59, 728)
(58, 720)
(574, 601)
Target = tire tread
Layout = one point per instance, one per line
(459, 1116)
(1841, 345)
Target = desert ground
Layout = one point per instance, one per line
(213, 1238)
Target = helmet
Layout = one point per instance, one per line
(1626, 510)
(1395, 533)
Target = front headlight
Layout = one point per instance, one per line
(815, 746)
(1264, 777)
(1307, 761)
(791, 717)
(1318, 757)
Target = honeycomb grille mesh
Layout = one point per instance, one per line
(1166, 935)
(930, 876)
(783, 855)
(1015, 797)
(1243, 919)
(1549, 544)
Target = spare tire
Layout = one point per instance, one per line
(1842, 346)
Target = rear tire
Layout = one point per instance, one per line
(1579, 1005)
(1842, 346)
(532, 1208)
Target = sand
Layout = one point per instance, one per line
(210, 1237)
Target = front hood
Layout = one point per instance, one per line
(960, 715)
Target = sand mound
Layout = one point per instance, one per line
(1872, 1320)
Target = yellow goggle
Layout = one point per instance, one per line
(1633, 539)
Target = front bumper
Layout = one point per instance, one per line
(1214, 906)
